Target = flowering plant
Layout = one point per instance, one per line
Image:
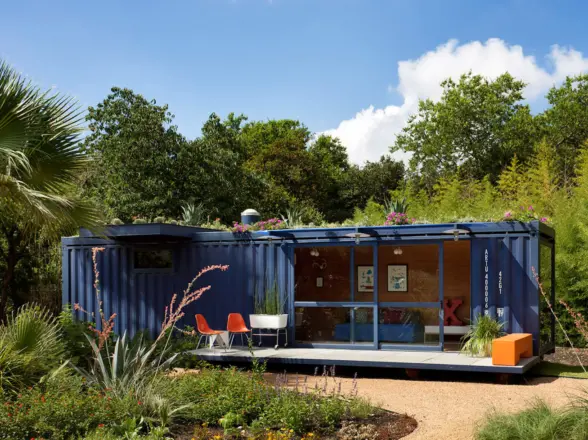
(263, 225)
(398, 218)
(523, 214)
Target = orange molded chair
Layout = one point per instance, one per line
(205, 330)
(236, 325)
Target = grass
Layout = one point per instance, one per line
(555, 369)
(539, 422)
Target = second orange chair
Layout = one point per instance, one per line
(236, 326)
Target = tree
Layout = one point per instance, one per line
(40, 161)
(134, 150)
(277, 153)
(214, 166)
(373, 180)
(476, 128)
(565, 123)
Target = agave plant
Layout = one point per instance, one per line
(193, 215)
(478, 340)
(294, 217)
(398, 206)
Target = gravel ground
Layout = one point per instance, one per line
(451, 410)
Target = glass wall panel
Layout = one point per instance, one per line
(408, 273)
(409, 326)
(322, 324)
(334, 325)
(322, 274)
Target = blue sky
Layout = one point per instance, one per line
(320, 61)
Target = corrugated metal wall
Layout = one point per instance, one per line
(503, 285)
(139, 297)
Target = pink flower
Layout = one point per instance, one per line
(543, 219)
(508, 214)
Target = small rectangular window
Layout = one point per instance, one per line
(148, 259)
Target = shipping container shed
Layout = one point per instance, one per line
(410, 287)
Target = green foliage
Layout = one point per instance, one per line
(478, 339)
(117, 222)
(134, 150)
(372, 214)
(140, 221)
(159, 219)
(30, 347)
(40, 163)
(75, 338)
(231, 398)
(539, 422)
(63, 408)
(476, 128)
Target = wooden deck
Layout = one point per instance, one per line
(419, 360)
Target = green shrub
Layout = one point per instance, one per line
(540, 422)
(62, 408)
(215, 393)
(77, 347)
(117, 222)
(30, 347)
(478, 339)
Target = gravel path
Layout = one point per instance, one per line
(451, 410)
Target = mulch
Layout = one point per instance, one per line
(568, 356)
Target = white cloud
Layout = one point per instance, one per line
(371, 131)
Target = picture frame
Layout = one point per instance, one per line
(397, 278)
(365, 278)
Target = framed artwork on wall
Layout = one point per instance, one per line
(397, 278)
(365, 278)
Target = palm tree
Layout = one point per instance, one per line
(39, 164)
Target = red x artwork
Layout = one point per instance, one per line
(449, 307)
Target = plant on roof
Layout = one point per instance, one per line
(478, 339)
(523, 214)
(117, 222)
(398, 218)
(271, 224)
(397, 205)
(193, 214)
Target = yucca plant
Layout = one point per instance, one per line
(478, 339)
(129, 369)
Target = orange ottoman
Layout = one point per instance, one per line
(509, 349)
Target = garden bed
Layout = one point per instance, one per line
(386, 425)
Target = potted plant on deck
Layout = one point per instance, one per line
(270, 309)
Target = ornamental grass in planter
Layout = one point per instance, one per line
(478, 339)
(270, 309)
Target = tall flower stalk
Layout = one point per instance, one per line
(584, 325)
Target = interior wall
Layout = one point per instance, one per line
(331, 268)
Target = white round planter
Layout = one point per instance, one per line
(268, 321)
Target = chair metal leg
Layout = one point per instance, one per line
(199, 340)
(231, 339)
